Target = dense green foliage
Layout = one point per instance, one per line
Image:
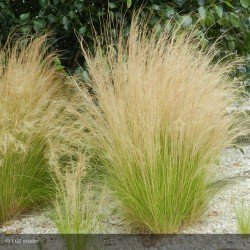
(25, 179)
(65, 17)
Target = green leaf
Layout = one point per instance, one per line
(231, 46)
(180, 2)
(201, 2)
(3, 5)
(155, 7)
(169, 12)
(71, 14)
(209, 19)
(234, 19)
(44, 3)
(154, 20)
(223, 22)
(59, 67)
(38, 25)
(219, 10)
(25, 29)
(83, 74)
(112, 5)
(65, 22)
(187, 21)
(229, 4)
(129, 3)
(52, 18)
(57, 61)
(247, 41)
(245, 3)
(82, 30)
(79, 7)
(100, 14)
(25, 17)
(202, 12)
(157, 30)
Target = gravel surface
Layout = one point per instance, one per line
(33, 223)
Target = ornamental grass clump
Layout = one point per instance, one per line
(159, 122)
(243, 218)
(78, 204)
(37, 125)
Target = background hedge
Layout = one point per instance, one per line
(231, 18)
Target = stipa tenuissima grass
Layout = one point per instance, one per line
(28, 83)
(38, 125)
(159, 122)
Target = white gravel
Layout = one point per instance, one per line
(33, 223)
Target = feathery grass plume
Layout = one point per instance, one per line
(243, 218)
(31, 99)
(159, 122)
(76, 209)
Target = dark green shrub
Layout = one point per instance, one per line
(230, 17)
